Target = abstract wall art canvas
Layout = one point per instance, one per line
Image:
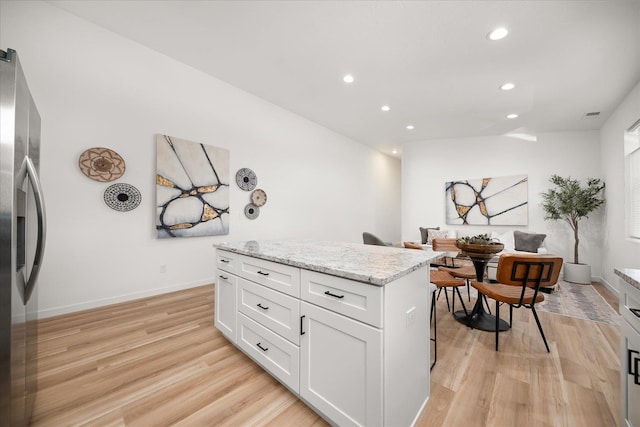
(192, 188)
(488, 201)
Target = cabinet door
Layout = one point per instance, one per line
(341, 367)
(226, 304)
(630, 375)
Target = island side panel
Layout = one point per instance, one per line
(406, 348)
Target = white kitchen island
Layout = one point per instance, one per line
(344, 326)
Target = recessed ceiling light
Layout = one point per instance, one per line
(507, 86)
(512, 116)
(394, 151)
(410, 127)
(385, 108)
(498, 34)
(348, 78)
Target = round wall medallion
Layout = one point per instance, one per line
(101, 164)
(246, 179)
(259, 197)
(251, 211)
(122, 197)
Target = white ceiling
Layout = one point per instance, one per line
(429, 60)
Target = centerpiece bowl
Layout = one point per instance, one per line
(479, 247)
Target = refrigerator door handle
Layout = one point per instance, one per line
(42, 231)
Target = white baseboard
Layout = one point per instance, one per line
(56, 311)
(607, 284)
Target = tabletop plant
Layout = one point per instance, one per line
(570, 201)
(479, 239)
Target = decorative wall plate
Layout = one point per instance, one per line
(101, 164)
(251, 211)
(122, 197)
(259, 197)
(246, 179)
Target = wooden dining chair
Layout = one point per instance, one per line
(447, 245)
(520, 278)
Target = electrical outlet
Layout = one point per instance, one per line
(410, 316)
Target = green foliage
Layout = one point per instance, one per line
(479, 239)
(570, 201)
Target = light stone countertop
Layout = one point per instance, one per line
(376, 265)
(629, 275)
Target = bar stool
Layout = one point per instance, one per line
(432, 290)
(442, 280)
(467, 273)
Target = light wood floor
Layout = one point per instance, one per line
(159, 361)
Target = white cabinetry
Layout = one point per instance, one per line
(226, 290)
(630, 354)
(356, 353)
(341, 367)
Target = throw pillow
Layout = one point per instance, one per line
(506, 238)
(424, 231)
(436, 234)
(410, 245)
(528, 242)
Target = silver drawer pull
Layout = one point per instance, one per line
(333, 295)
(223, 277)
(635, 311)
(261, 347)
(262, 307)
(263, 273)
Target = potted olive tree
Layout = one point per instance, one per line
(570, 201)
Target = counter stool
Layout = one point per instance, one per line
(432, 290)
(468, 273)
(442, 280)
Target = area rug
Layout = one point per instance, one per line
(580, 301)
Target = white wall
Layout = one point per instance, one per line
(96, 89)
(428, 165)
(619, 251)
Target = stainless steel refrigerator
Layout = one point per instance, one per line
(22, 237)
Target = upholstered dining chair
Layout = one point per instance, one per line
(520, 278)
(443, 281)
(447, 245)
(464, 272)
(372, 239)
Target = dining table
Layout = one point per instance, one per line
(478, 318)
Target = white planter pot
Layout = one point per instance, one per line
(577, 273)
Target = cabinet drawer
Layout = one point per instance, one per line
(630, 304)
(280, 277)
(357, 300)
(271, 351)
(227, 261)
(276, 311)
